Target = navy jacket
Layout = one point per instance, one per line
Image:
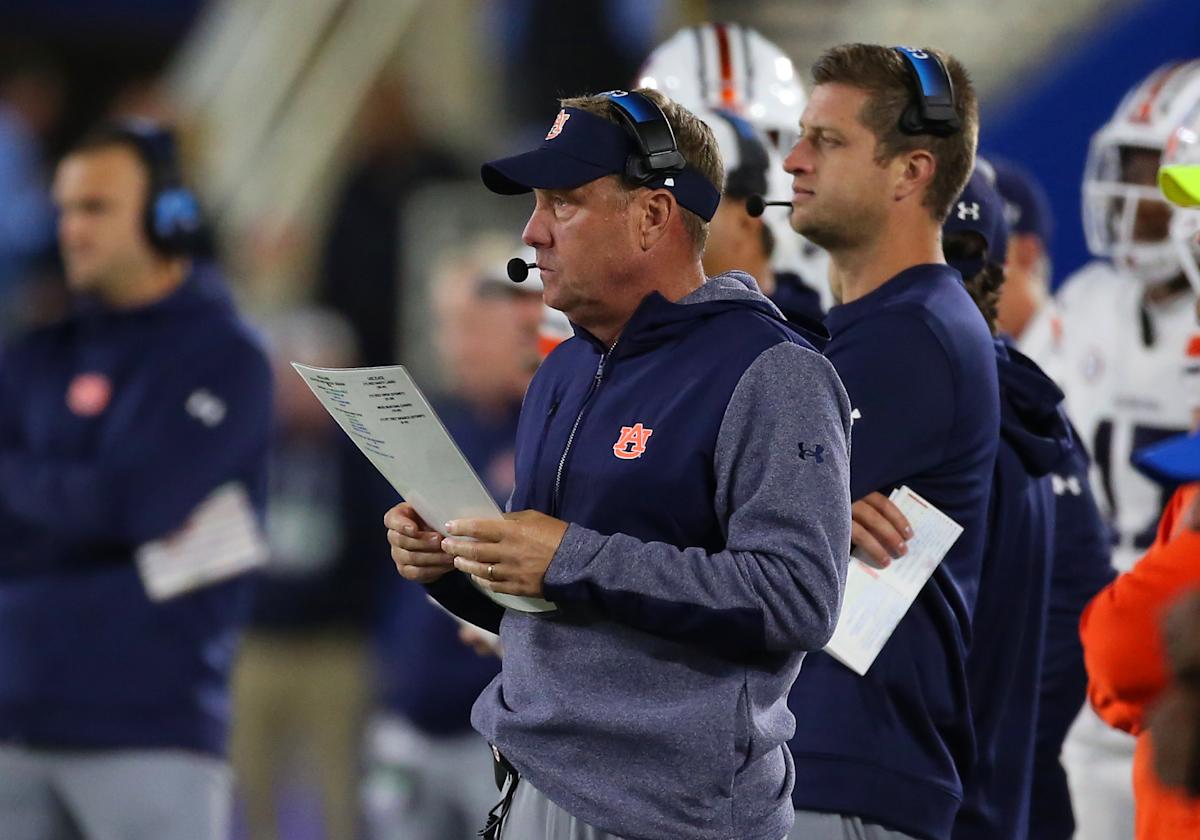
(703, 463)
(1004, 665)
(799, 302)
(1082, 567)
(113, 427)
(891, 747)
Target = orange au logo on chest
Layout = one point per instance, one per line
(559, 122)
(631, 443)
(88, 394)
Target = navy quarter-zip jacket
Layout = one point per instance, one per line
(891, 747)
(703, 463)
(114, 426)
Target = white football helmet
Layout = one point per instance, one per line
(1145, 120)
(730, 67)
(1183, 148)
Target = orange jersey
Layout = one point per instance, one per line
(1126, 664)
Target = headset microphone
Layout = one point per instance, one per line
(756, 204)
(518, 269)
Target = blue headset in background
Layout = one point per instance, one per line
(173, 220)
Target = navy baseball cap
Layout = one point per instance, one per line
(1027, 207)
(581, 147)
(1174, 460)
(979, 210)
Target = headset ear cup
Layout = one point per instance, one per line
(174, 220)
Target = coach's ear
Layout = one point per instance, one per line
(658, 207)
(913, 172)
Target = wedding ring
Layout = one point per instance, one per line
(490, 567)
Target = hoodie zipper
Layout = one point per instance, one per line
(562, 462)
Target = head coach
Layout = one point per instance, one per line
(682, 494)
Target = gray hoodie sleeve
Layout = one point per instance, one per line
(783, 493)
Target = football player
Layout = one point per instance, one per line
(1118, 331)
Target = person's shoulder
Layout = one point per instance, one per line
(1093, 287)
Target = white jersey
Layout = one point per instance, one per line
(1122, 392)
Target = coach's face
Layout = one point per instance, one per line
(585, 238)
(840, 192)
(101, 196)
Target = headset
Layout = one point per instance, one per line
(933, 112)
(173, 220)
(658, 156)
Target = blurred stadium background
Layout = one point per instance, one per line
(335, 143)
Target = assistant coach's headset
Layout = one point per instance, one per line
(173, 221)
(931, 111)
(657, 155)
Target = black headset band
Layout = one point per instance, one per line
(933, 111)
(658, 154)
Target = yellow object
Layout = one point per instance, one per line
(1180, 183)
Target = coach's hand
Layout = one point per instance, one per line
(508, 555)
(416, 548)
(879, 529)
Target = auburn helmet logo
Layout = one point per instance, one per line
(631, 443)
(559, 122)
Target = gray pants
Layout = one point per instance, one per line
(534, 817)
(813, 825)
(113, 795)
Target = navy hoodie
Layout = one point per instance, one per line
(703, 463)
(114, 425)
(891, 747)
(1082, 567)
(1004, 664)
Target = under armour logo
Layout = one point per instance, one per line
(968, 210)
(816, 453)
(631, 443)
(206, 407)
(1064, 485)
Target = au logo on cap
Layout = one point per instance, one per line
(559, 122)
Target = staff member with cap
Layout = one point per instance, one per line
(683, 497)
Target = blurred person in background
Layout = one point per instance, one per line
(1127, 660)
(430, 773)
(1082, 552)
(133, 439)
(303, 683)
(1175, 720)
(732, 69)
(31, 95)
(737, 240)
(1144, 670)
(1120, 329)
(1047, 554)
(360, 274)
(1028, 269)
